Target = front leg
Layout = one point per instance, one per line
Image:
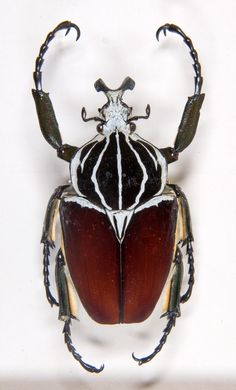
(188, 125)
(46, 115)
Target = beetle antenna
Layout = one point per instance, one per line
(76, 355)
(135, 118)
(166, 331)
(93, 118)
(43, 49)
(196, 65)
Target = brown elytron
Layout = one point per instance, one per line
(119, 282)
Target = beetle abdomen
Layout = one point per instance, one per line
(118, 171)
(119, 281)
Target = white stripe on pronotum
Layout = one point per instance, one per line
(94, 174)
(119, 169)
(145, 176)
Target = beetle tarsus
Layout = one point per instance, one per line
(189, 251)
(170, 324)
(76, 355)
(46, 263)
(70, 25)
(44, 47)
(196, 65)
(162, 28)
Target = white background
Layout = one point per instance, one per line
(118, 40)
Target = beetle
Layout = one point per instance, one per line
(124, 227)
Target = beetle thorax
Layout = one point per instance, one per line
(117, 170)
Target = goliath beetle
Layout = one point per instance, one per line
(123, 226)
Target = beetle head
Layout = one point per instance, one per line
(115, 114)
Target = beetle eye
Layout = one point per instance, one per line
(132, 127)
(100, 128)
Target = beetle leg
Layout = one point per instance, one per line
(172, 310)
(187, 128)
(196, 65)
(48, 239)
(189, 250)
(188, 125)
(173, 301)
(76, 355)
(46, 115)
(170, 324)
(46, 263)
(66, 311)
(66, 25)
(186, 237)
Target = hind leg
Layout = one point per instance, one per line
(67, 310)
(173, 297)
(172, 303)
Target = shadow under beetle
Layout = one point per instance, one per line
(123, 226)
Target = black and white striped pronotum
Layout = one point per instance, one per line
(123, 226)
